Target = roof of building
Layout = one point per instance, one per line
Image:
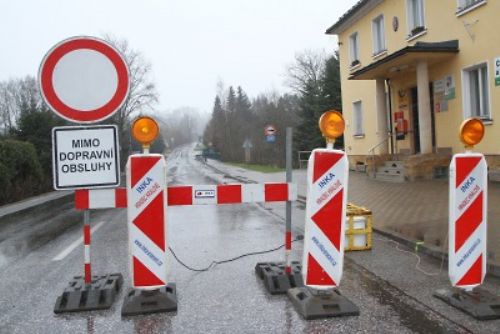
(350, 13)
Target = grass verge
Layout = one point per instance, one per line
(258, 168)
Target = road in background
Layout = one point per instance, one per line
(392, 295)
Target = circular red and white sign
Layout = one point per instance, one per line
(269, 130)
(84, 79)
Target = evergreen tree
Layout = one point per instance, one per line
(318, 83)
(215, 131)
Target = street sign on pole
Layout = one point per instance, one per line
(85, 157)
(84, 79)
(270, 138)
(247, 144)
(269, 130)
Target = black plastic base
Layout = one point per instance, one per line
(99, 295)
(276, 280)
(317, 304)
(150, 301)
(478, 303)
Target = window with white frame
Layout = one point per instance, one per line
(465, 4)
(354, 48)
(476, 92)
(415, 11)
(378, 35)
(357, 115)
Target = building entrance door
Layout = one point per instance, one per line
(415, 121)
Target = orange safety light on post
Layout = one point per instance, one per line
(145, 130)
(471, 132)
(332, 126)
(468, 228)
(326, 209)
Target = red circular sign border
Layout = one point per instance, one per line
(266, 132)
(76, 43)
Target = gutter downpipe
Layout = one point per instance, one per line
(388, 83)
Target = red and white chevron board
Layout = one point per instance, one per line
(146, 211)
(467, 220)
(327, 177)
(193, 195)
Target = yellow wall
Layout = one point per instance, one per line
(442, 24)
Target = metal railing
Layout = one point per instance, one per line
(371, 151)
(301, 159)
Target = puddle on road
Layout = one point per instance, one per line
(409, 311)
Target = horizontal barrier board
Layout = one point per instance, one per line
(193, 195)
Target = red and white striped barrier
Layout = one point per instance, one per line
(146, 212)
(86, 199)
(231, 193)
(327, 176)
(193, 195)
(86, 257)
(467, 224)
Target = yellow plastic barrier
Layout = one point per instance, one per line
(358, 232)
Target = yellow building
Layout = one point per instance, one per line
(412, 71)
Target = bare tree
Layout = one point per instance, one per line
(306, 72)
(143, 95)
(16, 97)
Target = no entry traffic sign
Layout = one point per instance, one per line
(84, 79)
(270, 130)
(85, 157)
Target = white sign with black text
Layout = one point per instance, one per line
(85, 157)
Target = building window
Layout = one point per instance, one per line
(415, 11)
(378, 35)
(464, 5)
(354, 49)
(357, 113)
(476, 92)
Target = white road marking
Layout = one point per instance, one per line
(76, 243)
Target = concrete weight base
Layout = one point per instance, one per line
(317, 304)
(150, 301)
(478, 303)
(99, 295)
(276, 280)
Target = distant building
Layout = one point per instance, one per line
(418, 67)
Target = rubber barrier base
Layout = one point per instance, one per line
(150, 301)
(99, 295)
(478, 303)
(317, 304)
(276, 280)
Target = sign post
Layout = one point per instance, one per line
(279, 277)
(468, 188)
(85, 80)
(247, 145)
(327, 179)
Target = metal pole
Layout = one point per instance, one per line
(86, 247)
(288, 213)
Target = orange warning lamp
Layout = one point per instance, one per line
(471, 132)
(145, 130)
(332, 125)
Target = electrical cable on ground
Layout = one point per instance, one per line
(419, 259)
(215, 263)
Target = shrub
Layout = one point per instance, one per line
(21, 172)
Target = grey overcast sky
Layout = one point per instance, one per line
(189, 43)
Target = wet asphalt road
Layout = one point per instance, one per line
(392, 296)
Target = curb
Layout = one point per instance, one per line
(434, 252)
(52, 201)
(493, 269)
